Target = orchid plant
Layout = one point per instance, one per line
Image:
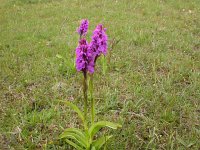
(86, 57)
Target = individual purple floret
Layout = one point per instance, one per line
(84, 57)
(82, 30)
(99, 41)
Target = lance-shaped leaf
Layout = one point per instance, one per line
(76, 146)
(100, 142)
(77, 110)
(97, 126)
(77, 135)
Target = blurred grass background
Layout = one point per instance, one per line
(151, 87)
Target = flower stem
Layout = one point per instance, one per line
(92, 99)
(85, 88)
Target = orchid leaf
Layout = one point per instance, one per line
(101, 141)
(74, 145)
(76, 109)
(75, 134)
(75, 130)
(97, 126)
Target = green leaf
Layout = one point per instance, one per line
(74, 145)
(97, 126)
(75, 134)
(75, 130)
(76, 109)
(101, 141)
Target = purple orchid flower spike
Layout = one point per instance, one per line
(84, 57)
(82, 30)
(99, 41)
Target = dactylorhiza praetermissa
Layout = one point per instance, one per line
(87, 54)
(83, 28)
(99, 44)
(84, 57)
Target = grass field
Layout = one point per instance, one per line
(151, 87)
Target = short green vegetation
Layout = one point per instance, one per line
(151, 85)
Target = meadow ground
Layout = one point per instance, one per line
(151, 86)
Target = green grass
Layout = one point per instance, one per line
(151, 87)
